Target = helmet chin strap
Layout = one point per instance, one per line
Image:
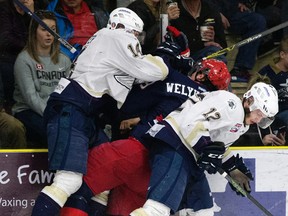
(246, 109)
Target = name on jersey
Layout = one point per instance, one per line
(181, 89)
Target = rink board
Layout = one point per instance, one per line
(24, 173)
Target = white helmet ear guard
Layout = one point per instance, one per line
(265, 98)
(125, 18)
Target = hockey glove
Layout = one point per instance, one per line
(211, 157)
(172, 51)
(173, 34)
(182, 63)
(168, 48)
(238, 170)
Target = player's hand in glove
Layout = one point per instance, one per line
(173, 34)
(171, 51)
(168, 48)
(242, 179)
(211, 157)
(238, 170)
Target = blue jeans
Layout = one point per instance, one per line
(35, 130)
(283, 117)
(7, 76)
(247, 24)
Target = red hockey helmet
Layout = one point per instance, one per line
(217, 73)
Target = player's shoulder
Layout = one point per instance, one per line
(225, 99)
(224, 94)
(120, 33)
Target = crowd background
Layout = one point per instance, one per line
(76, 21)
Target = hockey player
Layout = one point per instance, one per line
(123, 165)
(195, 138)
(109, 64)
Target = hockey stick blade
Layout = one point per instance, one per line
(243, 192)
(248, 40)
(43, 24)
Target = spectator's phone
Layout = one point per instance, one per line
(281, 129)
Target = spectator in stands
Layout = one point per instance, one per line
(192, 15)
(273, 11)
(12, 131)
(13, 36)
(277, 71)
(77, 21)
(37, 70)
(240, 20)
(149, 12)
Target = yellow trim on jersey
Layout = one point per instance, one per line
(193, 134)
(91, 91)
(163, 67)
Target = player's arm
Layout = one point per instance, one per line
(129, 59)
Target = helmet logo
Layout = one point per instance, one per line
(265, 108)
(267, 91)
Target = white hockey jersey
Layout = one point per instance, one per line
(220, 115)
(112, 61)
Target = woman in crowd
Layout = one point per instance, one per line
(38, 69)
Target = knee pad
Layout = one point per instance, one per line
(67, 181)
(152, 208)
(64, 184)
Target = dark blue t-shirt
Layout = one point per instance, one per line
(279, 79)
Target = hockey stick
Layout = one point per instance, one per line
(243, 192)
(247, 40)
(37, 19)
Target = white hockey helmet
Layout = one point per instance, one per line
(125, 18)
(265, 99)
